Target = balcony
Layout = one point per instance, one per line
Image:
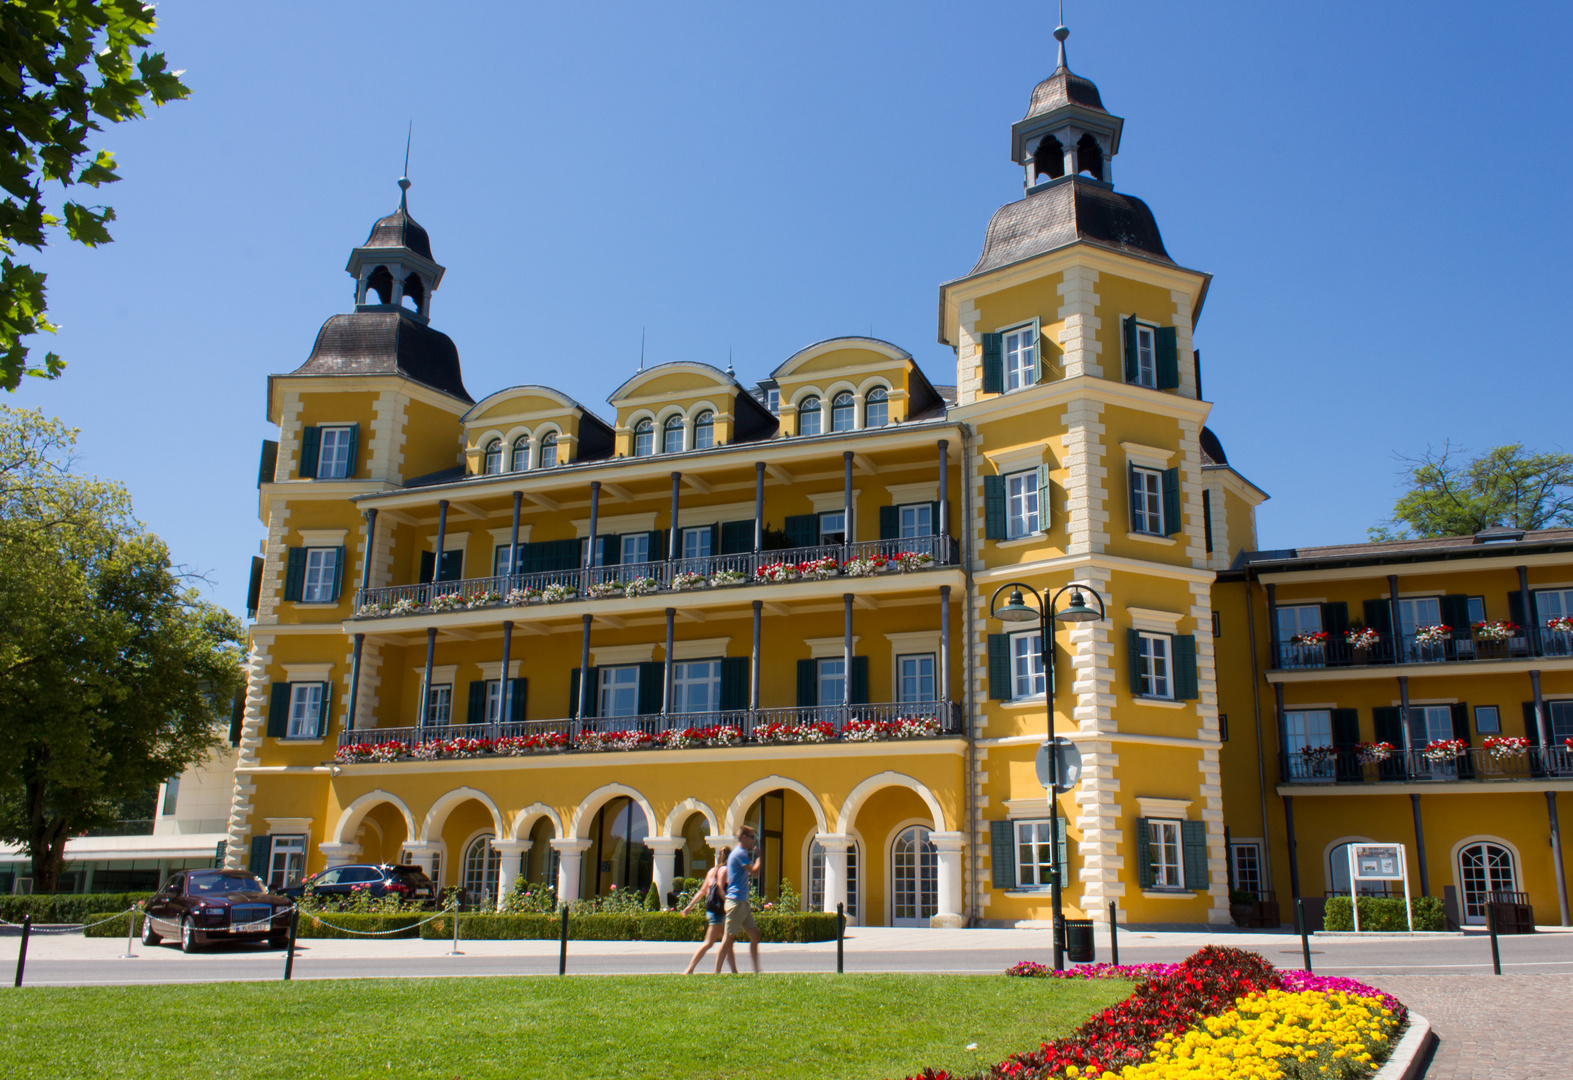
(713, 572)
(1414, 649)
(894, 722)
(1414, 766)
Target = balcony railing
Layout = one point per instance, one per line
(864, 558)
(1415, 766)
(658, 731)
(1337, 652)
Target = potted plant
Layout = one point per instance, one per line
(640, 586)
(1562, 624)
(1444, 750)
(1362, 638)
(556, 593)
(1374, 752)
(687, 580)
(778, 572)
(726, 577)
(1315, 638)
(823, 567)
(1433, 635)
(1499, 630)
(1506, 747)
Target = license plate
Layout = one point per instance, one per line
(261, 926)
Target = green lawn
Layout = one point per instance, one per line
(848, 1027)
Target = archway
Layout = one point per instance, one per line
(900, 867)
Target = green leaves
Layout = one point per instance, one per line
(1506, 486)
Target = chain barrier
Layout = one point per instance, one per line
(68, 928)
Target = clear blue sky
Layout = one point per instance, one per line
(1379, 189)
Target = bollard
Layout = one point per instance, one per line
(131, 929)
(1490, 926)
(289, 951)
(841, 934)
(1114, 937)
(21, 954)
(455, 950)
(562, 945)
(1305, 939)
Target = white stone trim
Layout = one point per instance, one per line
(1168, 809)
(700, 648)
(614, 655)
(305, 673)
(830, 648)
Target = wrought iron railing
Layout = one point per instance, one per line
(1422, 649)
(914, 553)
(1418, 766)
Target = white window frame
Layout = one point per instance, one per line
(877, 396)
(305, 709)
(773, 400)
(549, 446)
(519, 455)
(1018, 355)
(636, 545)
(493, 711)
(1163, 839)
(922, 520)
(644, 438)
(688, 675)
(1037, 837)
(1146, 355)
(322, 568)
(817, 411)
(1157, 649)
(932, 678)
(333, 454)
(1148, 516)
(704, 430)
(1236, 848)
(1293, 620)
(674, 425)
(816, 878)
(830, 672)
(845, 403)
(694, 538)
(614, 683)
(439, 705)
(1028, 677)
(490, 864)
(286, 861)
(492, 459)
(824, 532)
(1023, 504)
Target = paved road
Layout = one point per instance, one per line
(74, 960)
(1491, 1029)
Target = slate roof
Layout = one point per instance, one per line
(386, 343)
(1063, 212)
(1063, 88)
(1480, 545)
(398, 229)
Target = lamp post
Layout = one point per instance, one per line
(1016, 610)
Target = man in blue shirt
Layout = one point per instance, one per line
(740, 866)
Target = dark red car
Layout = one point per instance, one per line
(200, 906)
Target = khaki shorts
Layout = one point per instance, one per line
(739, 919)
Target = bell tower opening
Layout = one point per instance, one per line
(1048, 161)
(1089, 156)
(1067, 133)
(414, 294)
(379, 283)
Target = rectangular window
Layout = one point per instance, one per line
(1147, 501)
(493, 700)
(833, 527)
(620, 691)
(1477, 609)
(773, 400)
(1163, 852)
(916, 520)
(1309, 730)
(305, 707)
(1026, 664)
(1217, 626)
(333, 456)
(1146, 357)
(1021, 503)
(1223, 727)
(635, 548)
(1487, 720)
(915, 678)
(1247, 866)
(1560, 716)
(286, 862)
(1034, 854)
(696, 543)
(1419, 611)
(696, 686)
(1019, 347)
(439, 704)
(322, 572)
(1157, 670)
(832, 682)
(600, 551)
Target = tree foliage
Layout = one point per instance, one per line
(66, 66)
(1449, 496)
(114, 675)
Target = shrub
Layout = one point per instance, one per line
(115, 927)
(604, 926)
(797, 926)
(530, 897)
(336, 924)
(67, 907)
(527, 926)
(652, 899)
(1384, 914)
(670, 926)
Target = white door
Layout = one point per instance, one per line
(914, 878)
(1484, 868)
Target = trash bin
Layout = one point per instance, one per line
(1079, 943)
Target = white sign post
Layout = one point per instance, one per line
(1378, 862)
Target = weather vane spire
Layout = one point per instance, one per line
(404, 180)
(1061, 32)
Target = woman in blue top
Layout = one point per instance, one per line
(715, 879)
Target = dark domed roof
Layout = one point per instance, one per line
(1063, 88)
(386, 343)
(1064, 212)
(1212, 449)
(398, 229)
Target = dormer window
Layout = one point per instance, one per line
(333, 456)
(644, 438)
(493, 461)
(549, 451)
(843, 412)
(876, 409)
(1021, 357)
(704, 430)
(1151, 355)
(521, 454)
(808, 416)
(672, 436)
(773, 400)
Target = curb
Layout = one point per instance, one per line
(1379, 935)
(1412, 1056)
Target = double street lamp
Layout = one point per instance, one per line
(1017, 610)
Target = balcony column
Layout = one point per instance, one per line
(1397, 627)
(1272, 629)
(589, 547)
(1294, 859)
(666, 690)
(1283, 738)
(1556, 858)
(759, 506)
(948, 847)
(753, 665)
(851, 534)
(942, 526)
(1420, 847)
(665, 863)
(846, 649)
(349, 717)
(944, 647)
(505, 686)
(674, 544)
(1542, 729)
(513, 538)
(582, 706)
(431, 654)
(442, 537)
(371, 549)
(835, 847)
(569, 853)
(1403, 712)
(1532, 629)
(510, 855)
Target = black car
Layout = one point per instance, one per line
(199, 906)
(378, 880)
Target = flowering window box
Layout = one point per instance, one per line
(549, 742)
(1316, 638)
(1561, 625)
(1433, 635)
(1362, 638)
(602, 589)
(448, 602)
(795, 733)
(1445, 750)
(404, 607)
(485, 599)
(521, 597)
(820, 568)
(556, 594)
(727, 577)
(778, 572)
(641, 586)
(867, 567)
(1374, 753)
(1494, 631)
(1506, 747)
(687, 580)
(912, 560)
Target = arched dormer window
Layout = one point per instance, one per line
(808, 416)
(672, 435)
(843, 413)
(876, 408)
(493, 464)
(644, 438)
(521, 454)
(1089, 157)
(1048, 161)
(704, 430)
(549, 450)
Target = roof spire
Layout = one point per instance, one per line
(1061, 32)
(404, 181)
(729, 370)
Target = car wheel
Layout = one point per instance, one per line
(148, 936)
(190, 940)
(278, 941)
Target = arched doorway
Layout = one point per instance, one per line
(618, 855)
(478, 874)
(1484, 867)
(914, 878)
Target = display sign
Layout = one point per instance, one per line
(1070, 765)
(1377, 862)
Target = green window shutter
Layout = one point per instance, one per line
(807, 683)
(1335, 620)
(1062, 862)
(338, 573)
(999, 667)
(1128, 333)
(737, 537)
(573, 690)
(652, 686)
(1043, 498)
(889, 522)
(1455, 613)
(268, 466)
(1130, 497)
(1143, 856)
(734, 683)
(310, 448)
(254, 589)
(1184, 649)
(1346, 736)
(1387, 725)
(611, 551)
(936, 526)
(325, 711)
(1168, 358)
(1133, 647)
(564, 555)
(859, 680)
(261, 847)
(1461, 721)
(994, 507)
(428, 567)
(1377, 617)
(1171, 501)
(237, 716)
(294, 573)
(349, 468)
(715, 542)
(477, 709)
(1193, 847)
(278, 711)
(802, 530)
(1207, 519)
(658, 544)
(452, 566)
(1037, 358)
(520, 689)
(1515, 608)
(1531, 727)
(1002, 854)
(993, 363)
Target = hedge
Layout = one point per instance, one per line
(66, 907)
(648, 926)
(308, 926)
(1384, 913)
(115, 927)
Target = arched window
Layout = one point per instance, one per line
(704, 430)
(1089, 157)
(644, 438)
(549, 450)
(808, 416)
(379, 284)
(914, 878)
(521, 454)
(481, 863)
(493, 457)
(672, 435)
(876, 408)
(1484, 868)
(1049, 159)
(414, 292)
(816, 878)
(843, 413)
